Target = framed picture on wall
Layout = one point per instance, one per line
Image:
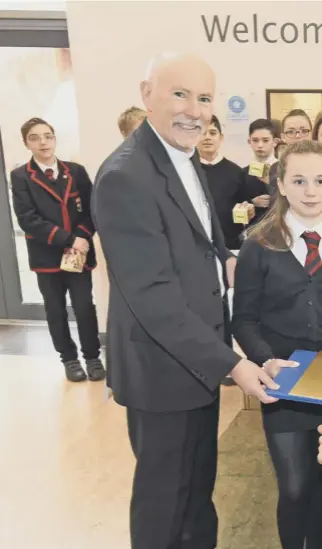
(280, 101)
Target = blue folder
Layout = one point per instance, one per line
(301, 384)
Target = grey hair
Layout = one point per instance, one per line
(158, 60)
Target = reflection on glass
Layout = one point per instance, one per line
(39, 82)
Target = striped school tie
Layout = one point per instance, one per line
(50, 174)
(313, 259)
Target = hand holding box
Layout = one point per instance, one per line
(243, 213)
(259, 169)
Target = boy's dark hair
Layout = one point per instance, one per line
(296, 112)
(215, 122)
(27, 126)
(261, 124)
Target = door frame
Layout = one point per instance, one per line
(269, 92)
(35, 29)
(3, 308)
(21, 29)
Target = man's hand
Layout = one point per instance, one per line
(230, 270)
(81, 245)
(252, 380)
(273, 367)
(320, 445)
(262, 201)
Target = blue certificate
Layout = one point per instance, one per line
(301, 384)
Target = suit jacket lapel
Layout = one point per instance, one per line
(174, 184)
(38, 177)
(204, 183)
(216, 229)
(179, 194)
(64, 172)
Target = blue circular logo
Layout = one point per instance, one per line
(236, 104)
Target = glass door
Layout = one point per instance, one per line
(35, 82)
(3, 310)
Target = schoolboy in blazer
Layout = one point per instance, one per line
(51, 200)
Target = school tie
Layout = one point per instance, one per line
(50, 174)
(313, 259)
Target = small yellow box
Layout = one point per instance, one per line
(240, 214)
(259, 169)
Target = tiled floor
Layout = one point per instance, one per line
(29, 340)
(65, 461)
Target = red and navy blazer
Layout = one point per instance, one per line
(52, 213)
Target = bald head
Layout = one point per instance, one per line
(159, 60)
(170, 61)
(178, 93)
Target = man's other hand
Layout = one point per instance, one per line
(253, 380)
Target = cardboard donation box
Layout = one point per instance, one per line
(259, 169)
(73, 261)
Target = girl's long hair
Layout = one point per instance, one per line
(272, 231)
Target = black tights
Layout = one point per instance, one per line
(299, 477)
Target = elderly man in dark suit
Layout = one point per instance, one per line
(167, 324)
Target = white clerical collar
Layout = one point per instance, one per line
(297, 228)
(176, 155)
(213, 162)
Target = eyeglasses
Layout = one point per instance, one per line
(293, 133)
(35, 138)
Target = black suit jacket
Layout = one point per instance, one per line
(166, 349)
(53, 213)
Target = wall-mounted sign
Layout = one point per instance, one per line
(237, 108)
(222, 29)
